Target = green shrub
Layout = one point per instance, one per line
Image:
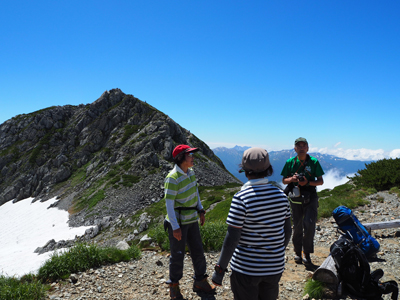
(26, 288)
(115, 179)
(210, 198)
(344, 194)
(219, 212)
(371, 191)
(129, 180)
(96, 198)
(111, 174)
(395, 190)
(160, 236)
(35, 154)
(80, 258)
(213, 235)
(129, 130)
(381, 175)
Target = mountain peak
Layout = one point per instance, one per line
(112, 154)
(241, 148)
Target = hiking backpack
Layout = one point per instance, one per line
(354, 230)
(354, 272)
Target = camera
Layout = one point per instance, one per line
(300, 177)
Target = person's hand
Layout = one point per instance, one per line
(303, 182)
(202, 218)
(217, 278)
(294, 178)
(178, 234)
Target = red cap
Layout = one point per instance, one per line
(182, 148)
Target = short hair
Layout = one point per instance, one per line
(268, 172)
(180, 158)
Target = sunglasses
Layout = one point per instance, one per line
(190, 154)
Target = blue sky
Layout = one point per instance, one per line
(254, 73)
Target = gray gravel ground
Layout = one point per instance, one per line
(144, 279)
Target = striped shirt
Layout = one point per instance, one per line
(260, 210)
(180, 190)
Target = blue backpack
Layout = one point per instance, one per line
(354, 230)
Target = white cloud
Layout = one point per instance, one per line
(394, 153)
(358, 154)
(362, 154)
(333, 179)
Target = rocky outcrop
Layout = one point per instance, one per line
(112, 155)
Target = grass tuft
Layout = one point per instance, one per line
(314, 288)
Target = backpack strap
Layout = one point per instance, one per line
(355, 271)
(389, 287)
(365, 266)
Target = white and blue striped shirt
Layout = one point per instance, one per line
(260, 210)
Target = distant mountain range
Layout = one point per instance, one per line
(232, 157)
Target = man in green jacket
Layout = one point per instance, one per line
(304, 172)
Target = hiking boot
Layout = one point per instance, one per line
(297, 258)
(175, 291)
(203, 286)
(306, 259)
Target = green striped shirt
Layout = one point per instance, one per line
(181, 191)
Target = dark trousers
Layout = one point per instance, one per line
(191, 237)
(304, 219)
(246, 287)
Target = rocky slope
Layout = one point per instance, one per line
(145, 278)
(101, 159)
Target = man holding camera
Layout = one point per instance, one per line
(303, 173)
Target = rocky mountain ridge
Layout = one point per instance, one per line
(100, 159)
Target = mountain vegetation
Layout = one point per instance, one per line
(381, 175)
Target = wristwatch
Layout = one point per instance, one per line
(202, 211)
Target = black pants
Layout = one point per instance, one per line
(304, 219)
(191, 237)
(246, 287)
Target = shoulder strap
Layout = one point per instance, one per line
(304, 165)
(362, 263)
(389, 287)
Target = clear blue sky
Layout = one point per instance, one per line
(255, 73)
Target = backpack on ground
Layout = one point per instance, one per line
(354, 272)
(354, 230)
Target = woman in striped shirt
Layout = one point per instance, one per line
(259, 231)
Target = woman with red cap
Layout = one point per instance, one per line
(184, 209)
